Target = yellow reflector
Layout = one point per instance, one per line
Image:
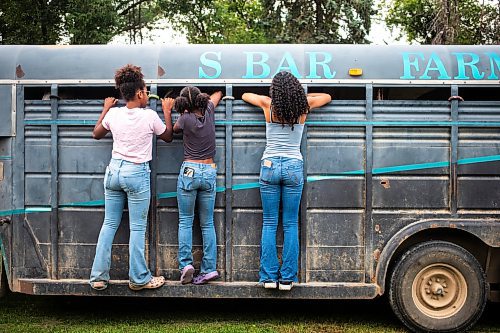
(355, 71)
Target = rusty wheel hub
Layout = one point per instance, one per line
(439, 291)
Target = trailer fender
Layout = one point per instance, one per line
(487, 230)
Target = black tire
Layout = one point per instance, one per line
(438, 286)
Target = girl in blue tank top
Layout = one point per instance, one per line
(281, 175)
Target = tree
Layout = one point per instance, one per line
(31, 22)
(74, 21)
(318, 21)
(136, 15)
(217, 21)
(91, 22)
(271, 21)
(446, 21)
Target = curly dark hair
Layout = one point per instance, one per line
(190, 99)
(288, 99)
(129, 79)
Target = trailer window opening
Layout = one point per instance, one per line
(340, 93)
(411, 93)
(36, 93)
(86, 93)
(238, 91)
(479, 93)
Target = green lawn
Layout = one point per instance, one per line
(34, 314)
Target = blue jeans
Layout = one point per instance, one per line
(124, 181)
(197, 184)
(281, 178)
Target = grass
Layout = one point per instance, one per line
(40, 314)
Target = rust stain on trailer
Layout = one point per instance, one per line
(376, 254)
(19, 71)
(26, 287)
(161, 71)
(385, 183)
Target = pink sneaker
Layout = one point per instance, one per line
(187, 274)
(205, 277)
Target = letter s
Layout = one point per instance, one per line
(210, 63)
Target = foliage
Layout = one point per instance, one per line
(91, 22)
(31, 22)
(136, 15)
(271, 21)
(318, 21)
(203, 21)
(217, 21)
(446, 21)
(74, 21)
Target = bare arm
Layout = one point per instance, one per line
(261, 101)
(316, 100)
(99, 131)
(166, 105)
(216, 97)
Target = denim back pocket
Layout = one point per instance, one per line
(266, 171)
(185, 183)
(210, 180)
(295, 172)
(138, 181)
(107, 178)
(188, 181)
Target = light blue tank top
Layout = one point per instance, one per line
(282, 141)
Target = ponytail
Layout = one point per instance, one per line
(201, 101)
(190, 99)
(181, 104)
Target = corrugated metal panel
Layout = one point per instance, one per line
(410, 163)
(249, 141)
(411, 111)
(6, 114)
(335, 194)
(5, 174)
(479, 157)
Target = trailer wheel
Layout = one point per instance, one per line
(438, 286)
